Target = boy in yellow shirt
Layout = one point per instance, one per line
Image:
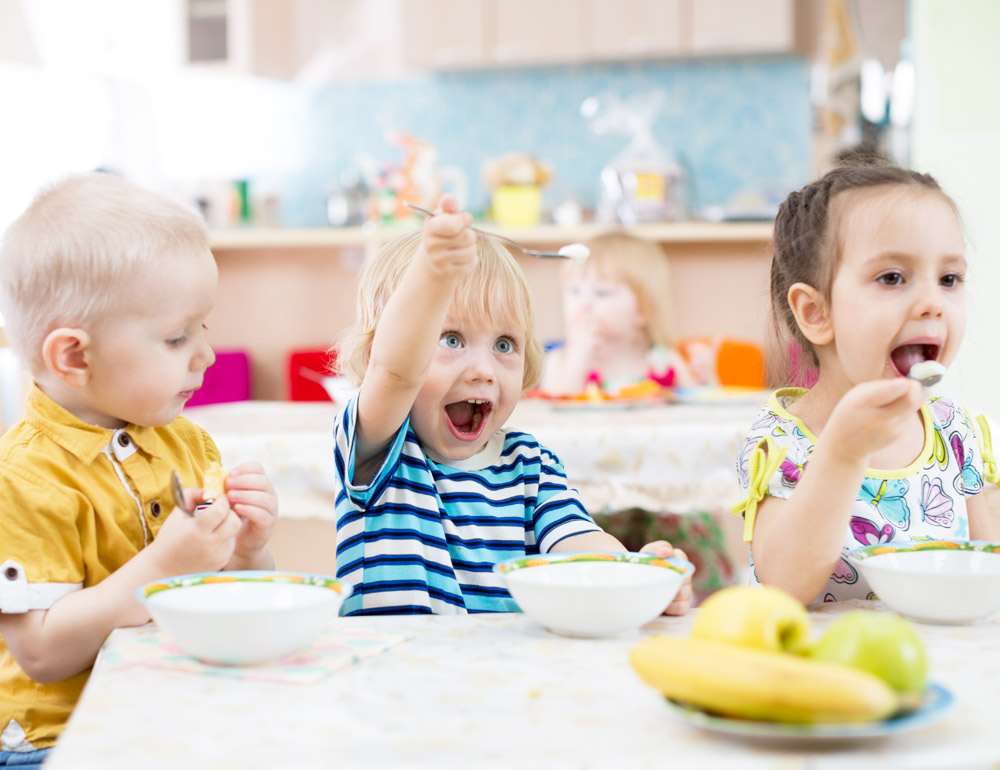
(104, 288)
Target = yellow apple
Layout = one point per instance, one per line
(763, 617)
(883, 643)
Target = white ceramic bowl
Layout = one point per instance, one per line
(934, 581)
(240, 618)
(593, 594)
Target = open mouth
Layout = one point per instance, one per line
(466, 418)
(905, 356)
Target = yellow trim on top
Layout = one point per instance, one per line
(922, 459)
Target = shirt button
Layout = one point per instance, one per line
(154, 508)
(123, 439)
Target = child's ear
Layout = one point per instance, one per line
(811, 314)
(65, 354)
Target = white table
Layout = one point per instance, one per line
(673, 457)
(488, 691)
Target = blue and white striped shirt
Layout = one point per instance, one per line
(423, 536)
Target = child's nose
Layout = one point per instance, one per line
(480, 367)
(204, 357)
(930, 302)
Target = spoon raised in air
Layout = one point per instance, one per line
(575, 251)
(927, 373)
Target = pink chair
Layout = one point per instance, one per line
(228, 379)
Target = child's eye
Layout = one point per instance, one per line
(176, 342)
(450, 340)
(891, 279)
(505, 345)
(951, 280)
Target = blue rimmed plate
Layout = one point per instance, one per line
(936, 703)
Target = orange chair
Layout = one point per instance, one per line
(738, 363)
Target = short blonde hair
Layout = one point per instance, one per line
(642, 266)
(65, 260)
(496, 289)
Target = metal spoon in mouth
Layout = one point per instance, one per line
(576, 251)
(927, 373)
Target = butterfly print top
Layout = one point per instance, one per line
(923, 501)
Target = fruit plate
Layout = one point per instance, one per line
(937, 702)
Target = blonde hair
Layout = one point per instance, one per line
(642, 266)
(66, 259)
(496, 289)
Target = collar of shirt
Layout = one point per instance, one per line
(79, 438)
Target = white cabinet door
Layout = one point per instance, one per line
(539, 31)
(630, 29)
(444, 34)
(742, 26)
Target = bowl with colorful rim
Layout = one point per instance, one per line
(593, 594)
(243, 617)
(934, 581)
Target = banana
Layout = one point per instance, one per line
(760, 684)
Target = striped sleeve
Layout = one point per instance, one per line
(345, 437)
(558, 512)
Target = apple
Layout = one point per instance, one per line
(882, 643)
(761, 616)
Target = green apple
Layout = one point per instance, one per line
(761, 616)
(883, 643)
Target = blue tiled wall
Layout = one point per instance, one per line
(737, 124)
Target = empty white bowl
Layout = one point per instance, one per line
(934, 581)
(593, 594)
(243, 617)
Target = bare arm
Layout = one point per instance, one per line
(981, 526)
(53, 644)
(410, 326)
(797, 542)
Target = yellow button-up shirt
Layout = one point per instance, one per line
(76, 502)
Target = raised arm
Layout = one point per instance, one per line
(410, 327)
(797, 542)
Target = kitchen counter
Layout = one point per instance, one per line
(663, 232)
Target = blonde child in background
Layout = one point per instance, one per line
(105, 288)
(434, 489)
(616, 314)
(868, 277)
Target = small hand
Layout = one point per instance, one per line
(682, 601)
(448, 244)
(202, 543)
(871, 416)
(253, 499)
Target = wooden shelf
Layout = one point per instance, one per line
(325, 237)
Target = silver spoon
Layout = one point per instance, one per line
(571, 251)
(177, 489)
(927, 373)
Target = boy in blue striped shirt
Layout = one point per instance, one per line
(434, 490)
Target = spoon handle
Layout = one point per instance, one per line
(505, 239)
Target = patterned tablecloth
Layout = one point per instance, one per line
(675, 458)
(485, 691)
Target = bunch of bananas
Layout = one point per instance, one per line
(749, 656)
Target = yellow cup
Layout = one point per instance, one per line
(517, 205)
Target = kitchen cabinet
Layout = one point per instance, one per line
(635, 29)
(445, 34)
(496, 33)
(743, 26)
(533, 32)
